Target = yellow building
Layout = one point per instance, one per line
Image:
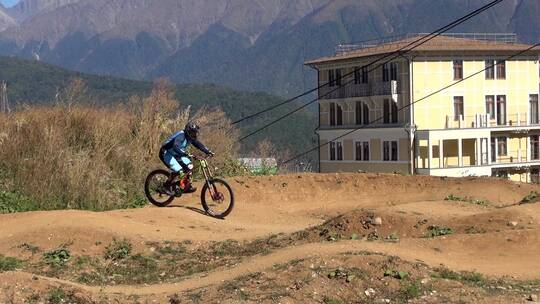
(387, 121)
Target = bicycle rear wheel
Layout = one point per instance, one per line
(154, 188)
(217, 198)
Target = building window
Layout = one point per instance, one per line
(360, 75)
(332, 114)
(535, 147)
(358, 151)
(533, 101)
(331, 78)
(365, 78)
(493, 150)
(501, 69)
(490, 106)
(394, 111)
(336, 150)
(338, 77)
(501, 110)
(458, 69)
(336, 114)
(393, 71)
(502, 146)
(339, 115)
(495, 69)
(365, 146)
(358, 113)
(390, 150)
(394, 151)
(365, 114)
(386, 111)
(362, 151)
(458, 108)
(385, 73)
(490, 69)
(535, 176)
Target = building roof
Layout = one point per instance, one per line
(437, 44)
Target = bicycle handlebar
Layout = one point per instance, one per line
(196, 157)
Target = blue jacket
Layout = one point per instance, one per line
(179, 142)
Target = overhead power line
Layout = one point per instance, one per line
(439, 31)
(400, 52)
(410, 104)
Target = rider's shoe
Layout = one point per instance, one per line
(190, 189)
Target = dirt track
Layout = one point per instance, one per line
(286, 204)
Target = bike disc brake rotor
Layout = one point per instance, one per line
(218, 197)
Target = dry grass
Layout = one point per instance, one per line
(75, 156)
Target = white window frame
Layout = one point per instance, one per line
(330, 151)
(495, 73)
(362, 157)
(390, 151)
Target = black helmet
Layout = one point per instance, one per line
(191, 130)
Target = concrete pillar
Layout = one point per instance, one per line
(496, 150)
(478, 151)
(430, 153)
(417, 148)
(460, 152)
(519, 150)
(528, 147)
(488, 144)
(441, 153)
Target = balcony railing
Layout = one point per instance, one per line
(485, 121)
(359, 90)
(512, 157)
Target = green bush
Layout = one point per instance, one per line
(9, 263)
(12, 202)
(58, 257)
(530, 198)
(118, 250)
(434, 231)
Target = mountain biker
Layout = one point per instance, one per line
(174, 155)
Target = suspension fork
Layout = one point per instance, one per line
(207, 176)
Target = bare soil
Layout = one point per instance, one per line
(313, 238)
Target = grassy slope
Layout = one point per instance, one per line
(32, 83)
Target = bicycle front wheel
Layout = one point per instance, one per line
(217, 198)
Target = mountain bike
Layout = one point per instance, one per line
(217, 197)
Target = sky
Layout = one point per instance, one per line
(9, 3)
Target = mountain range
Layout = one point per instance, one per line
(257, 45)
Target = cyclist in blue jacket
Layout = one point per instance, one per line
(174, 155)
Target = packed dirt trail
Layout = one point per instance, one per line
(479, 258)
(264, 205)
(286, 204)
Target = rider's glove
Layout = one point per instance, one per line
(210, 153)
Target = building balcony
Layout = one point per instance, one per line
(390, 88)
(485, 121)
(473, 152)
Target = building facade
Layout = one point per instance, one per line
(454, 106)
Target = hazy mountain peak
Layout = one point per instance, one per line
(28, 8)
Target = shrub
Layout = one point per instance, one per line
(11, 202)
(9, 263)
(532, 197)
(434, 231)
(58, 257)
(71, 156)
(118, 250)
